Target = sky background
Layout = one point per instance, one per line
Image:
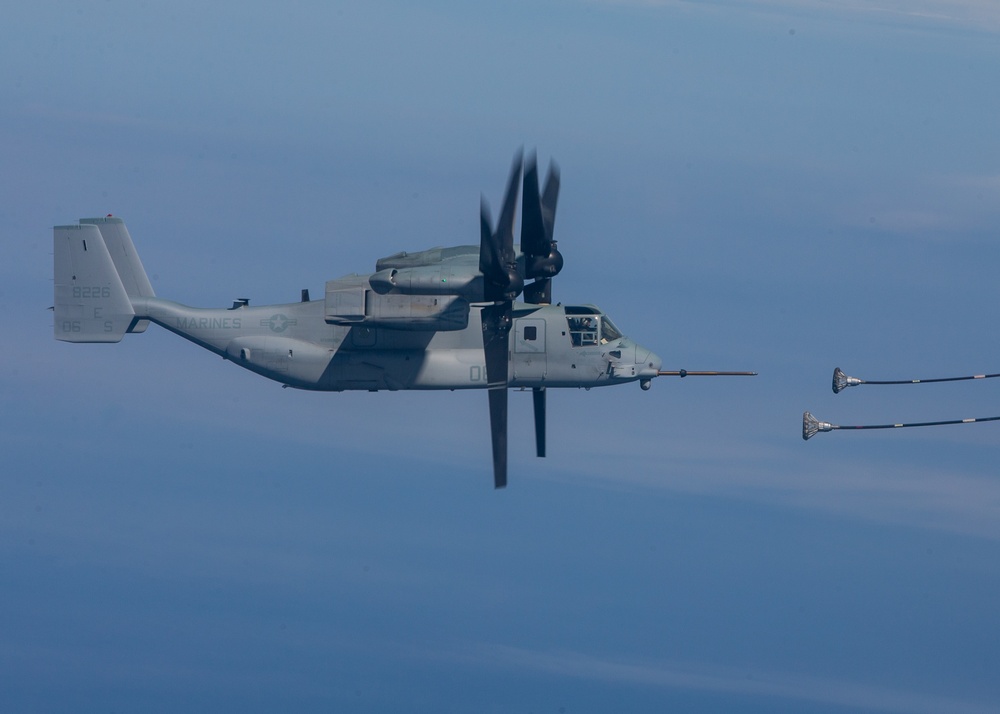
(778, 186)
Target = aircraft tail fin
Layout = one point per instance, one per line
(91, 299)
(126, 260)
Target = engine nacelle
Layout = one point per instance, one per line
(429, 280)
(358, 305)
(434, 256)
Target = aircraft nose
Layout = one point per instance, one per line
(649, 363)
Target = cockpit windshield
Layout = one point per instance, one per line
(590, 330)
(609, 333)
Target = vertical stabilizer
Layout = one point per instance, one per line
(126, 260)
(91, 304)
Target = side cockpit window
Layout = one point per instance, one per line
(583, 331)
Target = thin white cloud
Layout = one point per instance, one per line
(903, 494)
(986, 186)
(908, 221)
(969, 14)
(702, 677)
(949, 205)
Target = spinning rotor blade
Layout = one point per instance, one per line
(497, 260)
(498, 424)
(496, 331)
(542, 259)
(489, 257)
(812, 426)
(504, 281)
(549, 200)
(538, 400)
(533, 236)
(504, 236)
(841, 381)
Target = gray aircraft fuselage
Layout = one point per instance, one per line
(294, 344)
(416, 323)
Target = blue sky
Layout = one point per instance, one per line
(783, 186)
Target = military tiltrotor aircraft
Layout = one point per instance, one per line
(444, 318)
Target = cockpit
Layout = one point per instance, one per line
(588, 327)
